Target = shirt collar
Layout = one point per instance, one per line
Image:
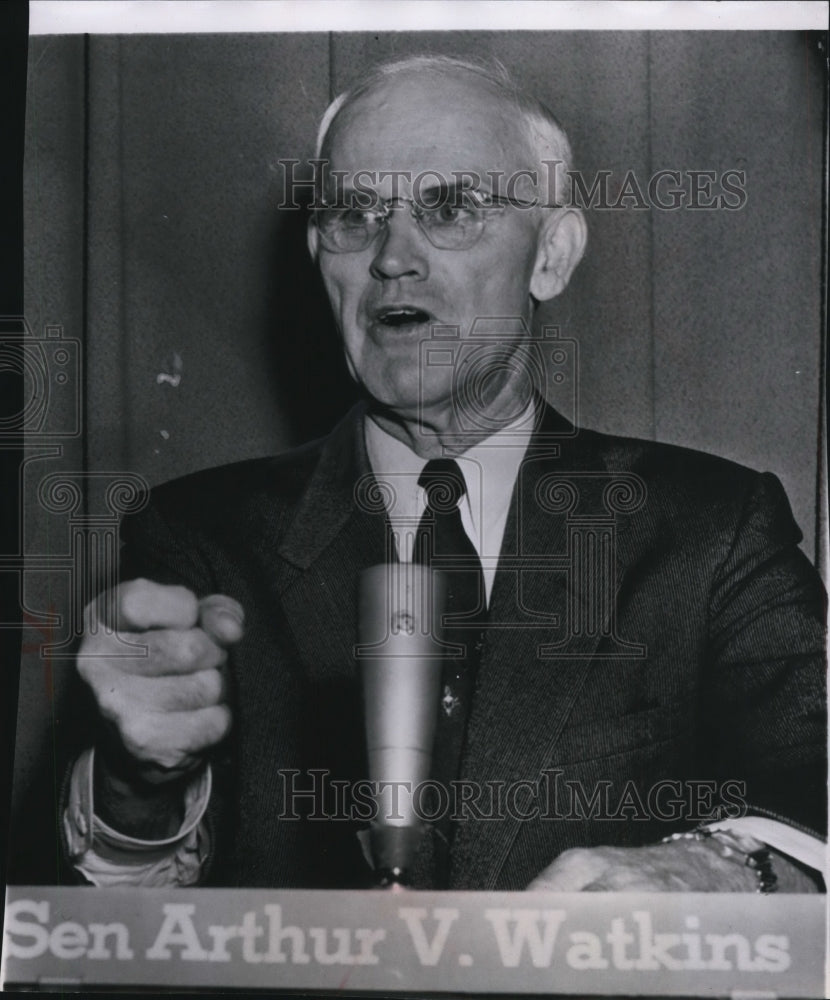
(494, 461)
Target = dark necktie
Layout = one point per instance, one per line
(442, 543)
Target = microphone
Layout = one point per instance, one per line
(400, 656)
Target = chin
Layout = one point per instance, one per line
(397, 404)
(394, 386)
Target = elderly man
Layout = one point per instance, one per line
(231, 753)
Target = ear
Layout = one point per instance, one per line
(561, 245)
(312, 239)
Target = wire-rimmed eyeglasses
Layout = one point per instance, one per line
(449, 223)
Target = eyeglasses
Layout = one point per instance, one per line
(449, 223)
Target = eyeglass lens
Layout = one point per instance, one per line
(449, 223)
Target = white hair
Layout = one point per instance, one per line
(545, 135)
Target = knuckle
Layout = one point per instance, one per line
(220, 724)
(132, 598)
(95, 646)
(137, 738)
(210, 686)
(162, 694)
(184, 595)
(171, 694)
(201, 651)
(172, 649)
(95, 670)
(157, 644)
(214, 656)
(187, 649)
(169, 759)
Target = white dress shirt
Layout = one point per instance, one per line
(494, 461)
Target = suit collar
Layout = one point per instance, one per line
(329, 497)
(343, 476)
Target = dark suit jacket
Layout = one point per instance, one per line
(699, 659)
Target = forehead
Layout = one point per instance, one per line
(418, 123)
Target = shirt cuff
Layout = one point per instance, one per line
(106, 857)
(810, 851)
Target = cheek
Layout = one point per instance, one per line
(504, 290)
(502, 277)
(333, 289)
(519, 272)
(344, 289)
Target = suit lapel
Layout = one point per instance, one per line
(338, 529)
(546, 624)
(328, 501)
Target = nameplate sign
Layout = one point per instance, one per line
(580, 943)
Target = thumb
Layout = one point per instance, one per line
(222, 618)
(571, 871)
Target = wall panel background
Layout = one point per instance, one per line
(55, 166)
(153, 235)
(737, 295)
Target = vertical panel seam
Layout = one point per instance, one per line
(331, 66)
(84, 374)
(821, 525)
(124, 346)
(652, 374)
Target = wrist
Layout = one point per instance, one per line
(754, 857)
(106, 856)
(134, 807)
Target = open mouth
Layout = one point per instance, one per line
(397, 316)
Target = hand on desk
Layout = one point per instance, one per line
(676, 866)
(163, 711)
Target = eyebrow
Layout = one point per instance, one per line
(346, 196)
(433, 194)
(447, 191)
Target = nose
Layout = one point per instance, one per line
(401, 249)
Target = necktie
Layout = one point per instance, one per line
(442, 543)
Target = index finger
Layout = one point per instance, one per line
(138, 605)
